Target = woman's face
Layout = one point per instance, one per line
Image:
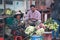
(18, 16)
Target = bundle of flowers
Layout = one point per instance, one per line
(51, 24)
(31, 30)
(40, 31)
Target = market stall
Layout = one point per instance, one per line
(43, 31)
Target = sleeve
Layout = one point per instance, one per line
(39, 16)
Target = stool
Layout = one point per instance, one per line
(1, 38)
(18, 38)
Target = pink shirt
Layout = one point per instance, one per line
(35, 15)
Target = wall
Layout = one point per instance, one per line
(18, 5)
(1, 6)
(15, 6)
(48, 2)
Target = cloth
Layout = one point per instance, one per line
(18, 28)
(35, 15)
(15, 25)
(9, 20)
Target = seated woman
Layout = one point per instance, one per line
(18, 25)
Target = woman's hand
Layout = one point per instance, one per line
(19, 24)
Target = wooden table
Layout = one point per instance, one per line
(47, 35)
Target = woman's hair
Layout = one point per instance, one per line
(17, 15)
(21, 15)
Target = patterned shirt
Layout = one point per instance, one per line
(35, 15)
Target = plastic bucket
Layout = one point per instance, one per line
(35, 37)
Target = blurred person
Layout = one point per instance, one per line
(27, 11)
(25, 15)
(18, 26)
(56, 17)
(33, 16)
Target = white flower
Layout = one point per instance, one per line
(29, 29)
(40, 31)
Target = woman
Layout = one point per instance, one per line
(18, 20)
(18, 25)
